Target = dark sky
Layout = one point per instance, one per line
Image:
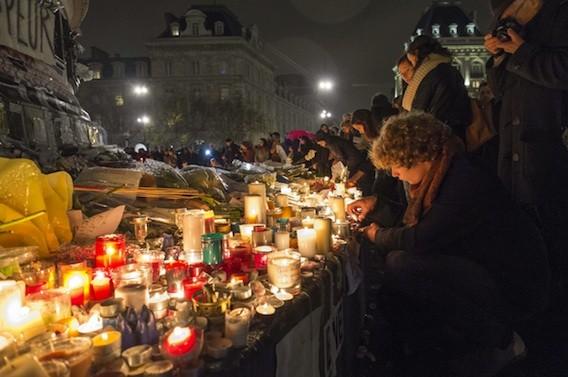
(354, 42)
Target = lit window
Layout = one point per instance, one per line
(436, 31)
(453, 30)
(195, 29)
(475, 84)
(174, 27)
(119, 100)
(96, 75)
(470, 28)
(219, 28)
(419, 31)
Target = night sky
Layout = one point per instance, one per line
(354, 42)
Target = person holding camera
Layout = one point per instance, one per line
(528, 73)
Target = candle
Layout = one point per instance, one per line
(282, 200)
(24, 323)
(158, 304)
(257, 188)
(193, 229)
(106, 346)
(11, 297)
(181, 343)
(92, 326)
(75, 283)
(53, 304)
(140, 228)
(341, 229)
(110, 251)
(322, 226)
(191, 286)
(284, 270)
(237, 277)
(265, 309)
(101, 286)
(138, 356)
(237, 323)
(338, 207)
(212, 248)
(260, 255)
(282, 240)
(153, 259)
(255, 209)
(308, 212)
(75, 352)
(134, 295)
(176, 272)
(308, 222)
(246, 231)
(307, 242)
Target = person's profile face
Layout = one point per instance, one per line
(406, 71)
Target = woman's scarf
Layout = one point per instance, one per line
(427, 66)
(423, 194)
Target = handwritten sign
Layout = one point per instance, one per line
(28, 28)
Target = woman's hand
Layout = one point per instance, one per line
(371, 232)
(361, 208)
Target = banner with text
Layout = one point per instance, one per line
(28, 28)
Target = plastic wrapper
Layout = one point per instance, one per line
(206, 180)
(160, 174)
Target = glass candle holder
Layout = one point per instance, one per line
(133, 273)
(260, 256)
(191, 286)
(212, 248)
(140, 228)
(178, 217)
(237, 323)
(76, 278)
(101, 285)
(176, 272)
(110, 251)
(206, 308)
(284, 270)
(158, 304)
(342, 229)
(106, 346)
(134, 295)
(154, 259)
(39, 276)
(53, 304)
(182, 345)
(76, 353)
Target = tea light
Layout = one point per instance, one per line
(307, 242)
(241, 277)
(282, 240)
(163, 368)
(134, 295)
(283, 295)
(106, 346)
(92, 326)
(182, 344)
(101, 286)
(265, 309)
(255, 209)
(237, 323)
(241, 292)
(337, 205)
(75, 352)
(110, 251)
(193, 229)
(260, 255)
(322, 226)
(137, 356)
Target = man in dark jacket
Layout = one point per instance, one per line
(529, 74)
(231, 151)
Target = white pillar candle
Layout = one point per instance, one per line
(282, 200)
(134, 295)
(307, 242)
(246, 231)
(282, 240)
(257, 188)
(337, 205)
(255, 209)
(193, 229)
(308, 222)
(322, 226)
(237, 324)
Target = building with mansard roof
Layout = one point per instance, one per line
(458, 32)
(205, 61)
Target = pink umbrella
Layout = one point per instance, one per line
(296, 134)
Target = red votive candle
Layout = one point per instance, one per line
(192, 285)
(110, 251)
(180, 341)
(101, 286)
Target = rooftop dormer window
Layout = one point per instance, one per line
(195, 29)
(419, 31)
(453, 30)
(470, 28)
(219, 28)
(174, 29)
(436, 31)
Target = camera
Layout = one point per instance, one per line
(500, 31)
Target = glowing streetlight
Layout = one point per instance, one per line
(141, 90)
(144, 119)
(325, 114)
(326, 85)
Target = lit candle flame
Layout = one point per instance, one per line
(179, 335)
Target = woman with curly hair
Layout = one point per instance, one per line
(466, 264)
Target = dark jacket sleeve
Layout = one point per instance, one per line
(453, 214)
(542, 65)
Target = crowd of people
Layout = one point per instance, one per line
(466, 198)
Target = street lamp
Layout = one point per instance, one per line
(144, 119)
(326, 85)
(140, 90)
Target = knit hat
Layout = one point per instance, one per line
(499, 6)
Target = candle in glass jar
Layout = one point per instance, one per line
(237, 323)
(75, 282)
(106, 346)
(308, 222)
(110, 251)
(193, 229)
(180, 341)
(260, 255)
(154, 259)
(101, 286)
(53, 304)
(134, 295)
(158, 304)
(307, 242)
(192, 285)
(23, 366)
(255, 209)
(140, 228)
(322, 226)
(24, 323)
(282, 240)
(265, 309)
(257, 188)
(176, 272)
(284, 270)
